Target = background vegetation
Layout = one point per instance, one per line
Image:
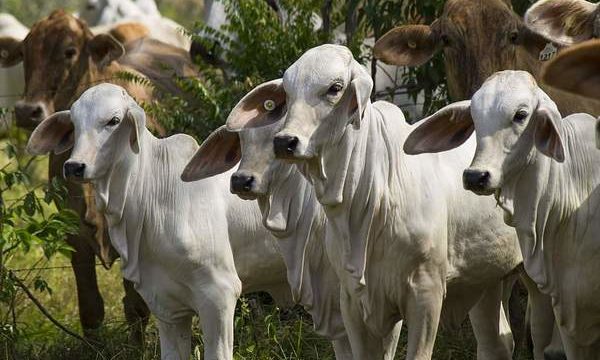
(257, 46)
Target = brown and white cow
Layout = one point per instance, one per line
(62, 58)
(478, 38)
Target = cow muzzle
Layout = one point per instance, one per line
(285, 146)
(74, 170)
(477, 181)
(29, 115)
(243, 185)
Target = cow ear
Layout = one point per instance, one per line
(220, 152)
(264, 105)
(359, 89)
(407, 45)
(448, 128)
(547, 137)
(55, 133)
(562, 21)
(105, 49)
(576, 70)
(11, 51)
(137, 120)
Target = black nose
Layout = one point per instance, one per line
(73, 169)
(476, 180)
(241, 183)
(28, 114)
(285, 145)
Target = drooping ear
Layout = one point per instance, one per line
(448, 128)
(220, 152)
(359, 89)
(137, 120)
(105, 49)
(55, 133)
(563, 21)
(11, 52)
(407, 45)
(262, 106)
(576, 70)
(547, 136)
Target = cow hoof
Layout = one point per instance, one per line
(554, 355)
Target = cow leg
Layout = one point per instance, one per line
(91, 305)
(573, 350)
(390, 342)
(424, 305)
(490, 326)
(364, 344)
(136, 313)
(216, 310)
(175, 338)
(342, 349)
(541, 318)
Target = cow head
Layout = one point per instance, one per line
(61, 58)
(264, 106)
(321, 98)
(478, 38)
(511, 116)
(103, 125)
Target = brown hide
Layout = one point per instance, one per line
(478, 38)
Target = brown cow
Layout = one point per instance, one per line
(62, 58)
(478, 38)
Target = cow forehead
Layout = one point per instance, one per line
(99, 103)
(319, 66)
(502, 94)
(59, 28)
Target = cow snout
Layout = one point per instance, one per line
(285, 146)
(476, 180)
(242, 183)
(29, 115)
(74, 170)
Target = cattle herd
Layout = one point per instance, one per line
(320, 197)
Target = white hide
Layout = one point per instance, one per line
(12, 78)
(105, 14)
(552, 205)
(175, 239)
(292, 213)
(404, 235)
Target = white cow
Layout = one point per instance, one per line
(11, 79)
(105, 14)
(545, 173)
(291, 212)
(407, 239)
(175, 239)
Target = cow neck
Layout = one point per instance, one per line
(545, 196)
(292, 213)
(121, 196)
(353, 179)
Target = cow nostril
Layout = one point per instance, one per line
(74, 169)
(248, 183)
(242, 183)
(37, 112)
(285, 145)
(475, 179)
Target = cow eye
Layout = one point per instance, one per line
(70, 52)
(520, 116)
(113, 121)
(335, 88)
(513, 37)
